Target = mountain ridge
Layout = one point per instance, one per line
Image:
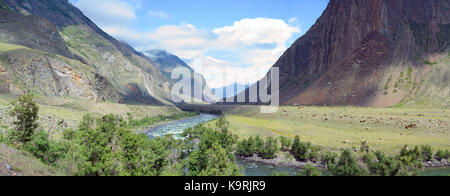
(66, 31)
(349, 54)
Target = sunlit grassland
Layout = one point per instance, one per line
(334, 128)
(74, 109)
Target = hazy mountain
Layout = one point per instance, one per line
(371, 53)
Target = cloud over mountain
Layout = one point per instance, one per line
(242, 51)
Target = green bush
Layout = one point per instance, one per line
(330, 157)
(347, 165)
(69, 134)
(105, 147)
(383, 165)
(305, 151)
(285, 143)
(427, 153)
(295, 143)
(411, 157)
(25, 113)
(245, 148)
(213, 155)
(270, 148)
(310, 170)
(258, 145)
(440, 154)
(44, 149)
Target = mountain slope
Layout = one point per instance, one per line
(50, 75)
(57, 27)
(368, 53)
(167, 62)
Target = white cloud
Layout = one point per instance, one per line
(158, 13)
(244, 52)
(108, 12)
(255, 31)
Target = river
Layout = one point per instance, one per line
(176, 128)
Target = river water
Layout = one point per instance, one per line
(176, 128)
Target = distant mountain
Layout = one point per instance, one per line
(167, 62)
(50, 48)
(371, 53)
(229, 91)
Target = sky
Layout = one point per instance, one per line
(227, 41)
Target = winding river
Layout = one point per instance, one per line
(176, 128)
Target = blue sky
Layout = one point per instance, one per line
(241, 38)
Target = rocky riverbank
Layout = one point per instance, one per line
(282, 160)
(288, 161)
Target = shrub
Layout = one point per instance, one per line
(296, 143)
(330, 157)
(213, 154)
(285, 143)
(270, 148)
(245, 148)
(347, 165)
(47, 151)
(258, 145)
(305, 151)
(411, 157)
(25, 113)
(427, 153)
(69, 134)
(440, 154)
(383, 165)
(106, 146)
(310, 170)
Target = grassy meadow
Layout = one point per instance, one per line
(334, 128)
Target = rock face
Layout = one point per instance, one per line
(32, 32)
(369, 53)
(60, 38)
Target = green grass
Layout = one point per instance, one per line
(310, 124)
(23, 163)
(428, 62)
(4, 47)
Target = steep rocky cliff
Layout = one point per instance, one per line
(370, 53)
(55, 28)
